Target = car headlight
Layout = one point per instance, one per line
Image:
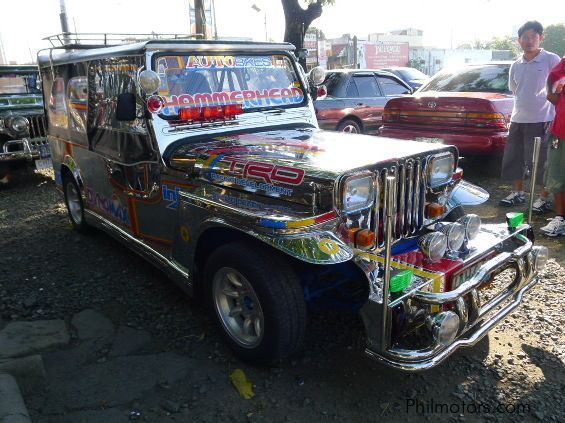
(18, 123)
(440, 169)
(455, 233)
(472, 225)
(433, 245)
(358, 193)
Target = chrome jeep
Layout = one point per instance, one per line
(205, 157)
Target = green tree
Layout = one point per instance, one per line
(555, 39)
(298, 19)
(504, 43)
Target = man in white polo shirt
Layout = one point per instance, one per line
(532, 114)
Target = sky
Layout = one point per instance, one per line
(445, 23)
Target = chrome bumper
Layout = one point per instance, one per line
(25, 149)
(476, 320)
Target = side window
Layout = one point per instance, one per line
(392, 87)
(77, 96)
(113, 77)
(352, 90)
(367, 86)
(57, 109)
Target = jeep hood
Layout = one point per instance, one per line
(315, 151)
(297, 165)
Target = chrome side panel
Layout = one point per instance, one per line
(318, 245)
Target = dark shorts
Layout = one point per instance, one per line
(555, 173)
(519, 150)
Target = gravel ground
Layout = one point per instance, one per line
(49, 272)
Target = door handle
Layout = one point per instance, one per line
(360, 104)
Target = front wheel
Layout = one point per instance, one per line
(74, 203)
(257, 302)
(349, 126)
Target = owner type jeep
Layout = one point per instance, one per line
(205, 158)
(22, 124)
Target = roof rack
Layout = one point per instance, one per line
(87, 40)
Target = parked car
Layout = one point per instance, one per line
(411, 76)
(469, 107)
(22, 125)
(354, 100)
(205, 158)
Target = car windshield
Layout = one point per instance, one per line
(19, 83)
(411, 73)
(256, 82)
(488, 79)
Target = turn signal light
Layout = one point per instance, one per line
(434, 210)
(361, 237)
(229, 111)
(155, 103)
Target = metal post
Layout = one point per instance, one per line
(64, 22)
(537, 143)
(390, 202)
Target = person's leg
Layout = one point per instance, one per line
(555, 182)
(513, 165)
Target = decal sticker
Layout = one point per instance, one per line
(112, 207)
(328, 246)
(184, 234)
(229, 62)
(249, 204)
(171, 194)
(244, 172)
(248, 98)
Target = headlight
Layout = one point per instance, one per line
(433, 245)
(440, 169)
(18, 123)
(358, 193)
(472, 225)
(455, 233)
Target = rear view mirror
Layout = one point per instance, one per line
(126, 107)
(301, 53)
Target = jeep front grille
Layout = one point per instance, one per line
(411, 186)
(36, 126)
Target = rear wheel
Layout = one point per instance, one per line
(349, 126)
(74, 203)
(257, 301)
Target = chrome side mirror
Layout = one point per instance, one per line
(317, 75)
(149, 81)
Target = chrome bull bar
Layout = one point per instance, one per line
(475, 323)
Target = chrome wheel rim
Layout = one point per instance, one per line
(238, 307)
(74, 204)
(352, 129)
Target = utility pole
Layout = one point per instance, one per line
(64, 22)
(200, 18)
(355, 52)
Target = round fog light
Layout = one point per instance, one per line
(455, 233)
(444, 327)
(433, 245)
(541, 254)
(472, 225)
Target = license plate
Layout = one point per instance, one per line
(428, 139)
(43, 164)
(44, 151)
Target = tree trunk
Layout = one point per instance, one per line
(297, 21)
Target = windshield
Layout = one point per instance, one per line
(256, 82)
(19, 83)
(411, 73)
(486, 79)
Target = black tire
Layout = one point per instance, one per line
(349, 126)
(276, 295)
(74, 204)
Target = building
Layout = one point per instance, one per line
(414, 37)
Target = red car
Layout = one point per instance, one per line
(469, 107)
